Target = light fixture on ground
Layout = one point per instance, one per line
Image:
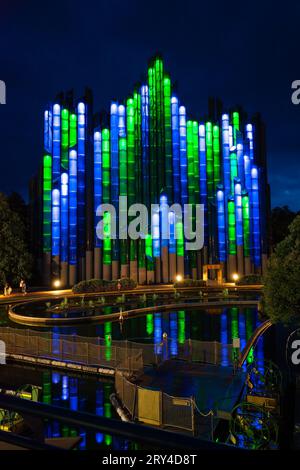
(56, 283)
(179, 278)
(235, 277)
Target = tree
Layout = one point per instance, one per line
(281, 218)
(282, 280)
(15, 259)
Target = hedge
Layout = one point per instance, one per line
(250, 279)
(190, 283)
(100, 285)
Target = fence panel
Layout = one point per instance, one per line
(149, 406)
(178, 412)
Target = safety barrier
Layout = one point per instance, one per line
(155, 407)
(74, 349)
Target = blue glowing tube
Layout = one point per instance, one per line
(114, 161)
(81, 132)
(226, 157)
(156, 233)
(230, 137)
(72, 207)
(221, 224)
(247, 170)
(172, 240)
(173, 334)
(64, 201)
(122, 120)
(145, 144)
(183, 155)
(240, 162)
(249, 133)
(175, 148)
(164, 221)
(238, 211)
(56, 143)
(47, 131)
(97, 182)
(224, 339)
(55, 222)
(255, 217)
(203, 178)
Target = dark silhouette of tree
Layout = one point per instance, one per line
(281, 218)
(282, 280)
(15, 259)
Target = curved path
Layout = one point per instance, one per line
(27, 320)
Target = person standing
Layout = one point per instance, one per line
(23, 286)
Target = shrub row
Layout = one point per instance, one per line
(249, 279)
(190, 283)
(100, 285)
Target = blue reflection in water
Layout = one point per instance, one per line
(65, 388)
(157, 333)
(242, 334)
(173, 334)
(73, 394)
(99, 411)
(224, 339)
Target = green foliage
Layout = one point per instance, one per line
(250, 279)
(15, 259)
(190, 283)
(100, 285)
(282, 280)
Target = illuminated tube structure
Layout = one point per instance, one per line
(148, 149)
(239, 226)
(72, 217)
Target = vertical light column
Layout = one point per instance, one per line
(149, 259)
(160, 148)
(233, 168)
(226, 158)
(240, 163)
(246, 231)
(216, 156)
(123, 192)
(168, 136)
(179, 247)
(73, 130)
(221, 224)
(190, 257)
(72, 217)
(255, 219)
(165, 232)
(172, 247)
(97, 202)
(239, 226)
(175, 149)
(203, 189)
(231, 261)
(183, 169)
(235, 126)
(114, 175)
(145, 145)
(249, 134)
(106, 200)
(56, 232)
(155, 230)
(64, 138)
(81, 199)
(47, 191)
(210, 186)
(152, 135)
(131, 180)
(56, 144)
(64, 208)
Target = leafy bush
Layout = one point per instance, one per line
(100, 285)
(190, 283)
(250, 279)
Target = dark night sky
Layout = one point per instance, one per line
(243, 52)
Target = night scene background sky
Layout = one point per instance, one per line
(245, 53)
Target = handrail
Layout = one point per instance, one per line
(260, 330)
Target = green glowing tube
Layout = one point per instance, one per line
(179, 239)
(246, 223)
(130, 151)
(137, 145)
(152, 135)
(231, 227)
(233, 169)
(105, 166)
(209, 162)
(168, 137)
(149, 253)
(216, 153)
(190, 162)
(196, 160)
(236, 125)
(73, 130)
(158, 67)
(107, 238)
(65, 138)
(47, 187)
